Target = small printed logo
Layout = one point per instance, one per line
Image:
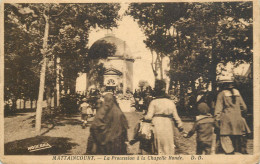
(39, 147)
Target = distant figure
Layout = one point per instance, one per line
(137, 98)
(232, 126)
(109, 128)
(204, 127)
(148, 98)
(86, 112)
(162, 111)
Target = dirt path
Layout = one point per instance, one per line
(68, 137)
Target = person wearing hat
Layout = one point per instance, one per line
(203, 125)
(232, 126)
(86, 112)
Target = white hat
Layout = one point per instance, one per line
(225, 79)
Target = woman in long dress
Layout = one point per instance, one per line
(162, 111)
(109, 128)
(232, 126)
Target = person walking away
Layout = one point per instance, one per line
(162, 111)
(86, 112)
(137, 98)
(232, 126)
(109, 128)
(147, 99)
(203, 125)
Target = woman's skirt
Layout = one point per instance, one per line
(163, 135)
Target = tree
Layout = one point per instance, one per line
(187, 32)
(227, 30)
(156, 20)
(73, 36)
(53, 18)
(21, 62)
(196, 37)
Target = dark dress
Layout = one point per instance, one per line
(109, 130)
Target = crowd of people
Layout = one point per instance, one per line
(108, 131)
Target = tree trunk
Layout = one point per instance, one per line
(152, 64)
(171, 83)
(213, 70)
(213, 73)
(49, 111)
(87, 81)
(42, 77)
(73, 85)
(58, 81)
(14, 104)
(48, 99)
(40, 97)
(193, 97)
(55, 86)
(178, 41)
(160, 65)
(182, 98)
(24, 104)
(20, 103)
(31, 103)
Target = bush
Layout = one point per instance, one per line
(69, 103)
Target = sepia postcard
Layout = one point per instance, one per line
(123, 81)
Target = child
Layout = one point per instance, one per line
(86, 112)
(204, 127)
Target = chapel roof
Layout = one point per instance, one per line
(122, 48)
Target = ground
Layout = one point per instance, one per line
(68, 137)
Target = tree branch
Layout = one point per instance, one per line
(154, 71)
(61, 11)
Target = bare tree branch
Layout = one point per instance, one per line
(61, 11)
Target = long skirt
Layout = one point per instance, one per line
(233, 143)
(91, 146)
(115, 147)
(163, 135)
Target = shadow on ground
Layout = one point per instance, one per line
(50, 123)
(19, 112)
(58, 120)
(60, 145)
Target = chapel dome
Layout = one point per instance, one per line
(121, 46)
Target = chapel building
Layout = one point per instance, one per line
(118, 75)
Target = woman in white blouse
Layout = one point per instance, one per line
(162, 111)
